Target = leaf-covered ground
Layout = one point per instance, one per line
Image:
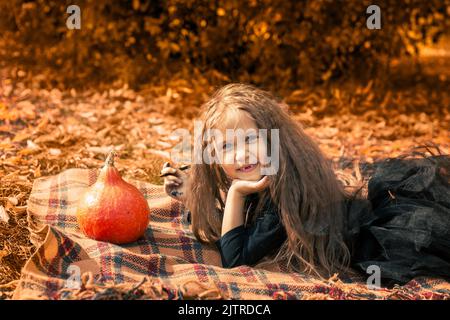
(43, 132)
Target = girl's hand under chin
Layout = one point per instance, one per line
(246, 187)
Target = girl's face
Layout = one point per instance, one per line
(241, 159)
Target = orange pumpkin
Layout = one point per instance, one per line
(112, 210)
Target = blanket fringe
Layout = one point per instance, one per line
(412, 291)
(144, 290)
(7, 289)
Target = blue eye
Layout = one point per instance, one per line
(251, 139)
(227, 146)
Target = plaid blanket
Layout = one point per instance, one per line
(168, 263)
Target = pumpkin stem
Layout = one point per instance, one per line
(110, 159)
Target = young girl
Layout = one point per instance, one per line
(302, 214)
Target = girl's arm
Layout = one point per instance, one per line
(239, 245)
(233, 214)
(247, 246)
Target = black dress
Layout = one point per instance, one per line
(403, 226)
(406, 232)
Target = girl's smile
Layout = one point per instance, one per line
(247, 168)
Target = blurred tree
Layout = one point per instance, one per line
(268, 42)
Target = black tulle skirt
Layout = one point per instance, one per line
(403, 226)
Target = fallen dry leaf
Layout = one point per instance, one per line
(4, 216)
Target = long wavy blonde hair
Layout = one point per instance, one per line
(307, 193)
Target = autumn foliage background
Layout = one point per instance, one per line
(137, 70)
(275, 43)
